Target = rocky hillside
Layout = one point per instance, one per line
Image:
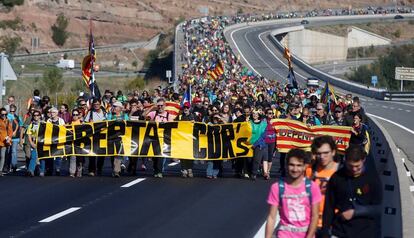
(119, 21)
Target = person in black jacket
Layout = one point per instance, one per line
(353, 199)
(186, 165)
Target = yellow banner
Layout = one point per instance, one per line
(178, 140)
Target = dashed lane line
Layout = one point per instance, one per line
(133, 183)
(60, 214)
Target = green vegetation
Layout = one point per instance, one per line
(59, 33)
(15, 24)
(138, 83)
(10, 44)
(52, 80)
(384, 68)
(11, 3)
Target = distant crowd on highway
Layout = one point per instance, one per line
(319, 192)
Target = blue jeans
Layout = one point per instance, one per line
(211, 171)
(58, 163)
(33, 159)
(14, 153)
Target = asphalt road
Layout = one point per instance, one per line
(173, 206)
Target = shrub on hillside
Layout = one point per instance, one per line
(59, 33)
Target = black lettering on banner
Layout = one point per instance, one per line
(99, 136)
(199, 128)
(151, 140)
(135, 128)
(41, 134)
(166, 148)
(54, 150)
(69, 140)
(241, 144)
(214, 142)
(116, 129)
(227, 136)
(82, 142)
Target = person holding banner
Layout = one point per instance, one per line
(76, 162)
(31, 133)
(160, 115)
(136, 114)
(259, 144)
(94, 115)
(55, 120)
(296, 199)
(186, 165)
(270, 139)
(117, 114)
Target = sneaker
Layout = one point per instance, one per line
(42, 174)
(184, 173)
(116, 175)
(123, 167)
(253, 177)
(72, 175)
(143, 167)
(1, 174)
(91, 174)
(159, 175)
(190, 173)
(246, 176)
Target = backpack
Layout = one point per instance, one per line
(308, 185)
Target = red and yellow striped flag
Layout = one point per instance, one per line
(295, 134)
(173, 108)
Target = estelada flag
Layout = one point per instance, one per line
(295, 134)
(219, 70)
(326, 93)
(173, 108)
(288, 56)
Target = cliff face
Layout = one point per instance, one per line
(119, 21)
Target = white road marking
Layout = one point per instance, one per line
(400, 109)
(260, 38)
(60, 214)
(408, 110)
(392, 108)
(384, 106)
(20, 168)
(238, 49)
(408, 174)
(394, 123)
(133, 183)
(411, 188)
(173, 163)
(261, 232)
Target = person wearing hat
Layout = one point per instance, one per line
(117, 114)
(339, 116)
(186, 165)
(55, 120)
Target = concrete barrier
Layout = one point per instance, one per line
(397, 215)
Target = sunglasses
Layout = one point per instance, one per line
(338, 112)
(12, 111)
(3, 114)
(160, 105)
(319, 108)
(36, 115)
(76, 114)
(82, 105)
(270, 113)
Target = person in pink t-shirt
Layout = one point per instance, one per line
(292, 198)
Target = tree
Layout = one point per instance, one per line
(52, 80)
(59, 33)
(10, 44)
(135, 64)
(11, 3)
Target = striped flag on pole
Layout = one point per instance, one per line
(88, 68)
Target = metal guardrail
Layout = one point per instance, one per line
(399, 96)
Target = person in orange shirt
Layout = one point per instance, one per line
(322, 167)
(6, 133)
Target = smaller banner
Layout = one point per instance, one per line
(295, 134)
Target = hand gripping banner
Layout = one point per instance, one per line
(179, 140)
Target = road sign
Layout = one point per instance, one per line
(374, 80)
(168, 75)
(402, 73)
